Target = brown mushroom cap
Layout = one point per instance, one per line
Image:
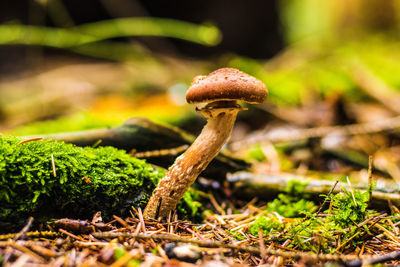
(226, 84)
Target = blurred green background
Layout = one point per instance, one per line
(73, 65)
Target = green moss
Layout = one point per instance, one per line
(349, 207)
(312, 232)
(292, 204)
(256, 153)
(87, 180)
(190, 206)
(266, 225)
(237, 235)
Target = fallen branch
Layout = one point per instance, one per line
(395, 255)
(159, 144)
(301, 134)
(268, 186)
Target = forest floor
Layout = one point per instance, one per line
(338, 124)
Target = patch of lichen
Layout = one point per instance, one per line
(87, 180)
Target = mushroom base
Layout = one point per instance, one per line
(196, 158)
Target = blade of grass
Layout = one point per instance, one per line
(208, 35)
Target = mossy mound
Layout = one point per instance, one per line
(86, 180)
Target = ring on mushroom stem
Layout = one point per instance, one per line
(220, 90)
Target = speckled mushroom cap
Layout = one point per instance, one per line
(226, 84)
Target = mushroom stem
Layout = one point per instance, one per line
(196, 158)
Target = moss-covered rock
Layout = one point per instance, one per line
(86, 180)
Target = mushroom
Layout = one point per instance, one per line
(219, 91)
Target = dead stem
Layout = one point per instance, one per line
(24, 230)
